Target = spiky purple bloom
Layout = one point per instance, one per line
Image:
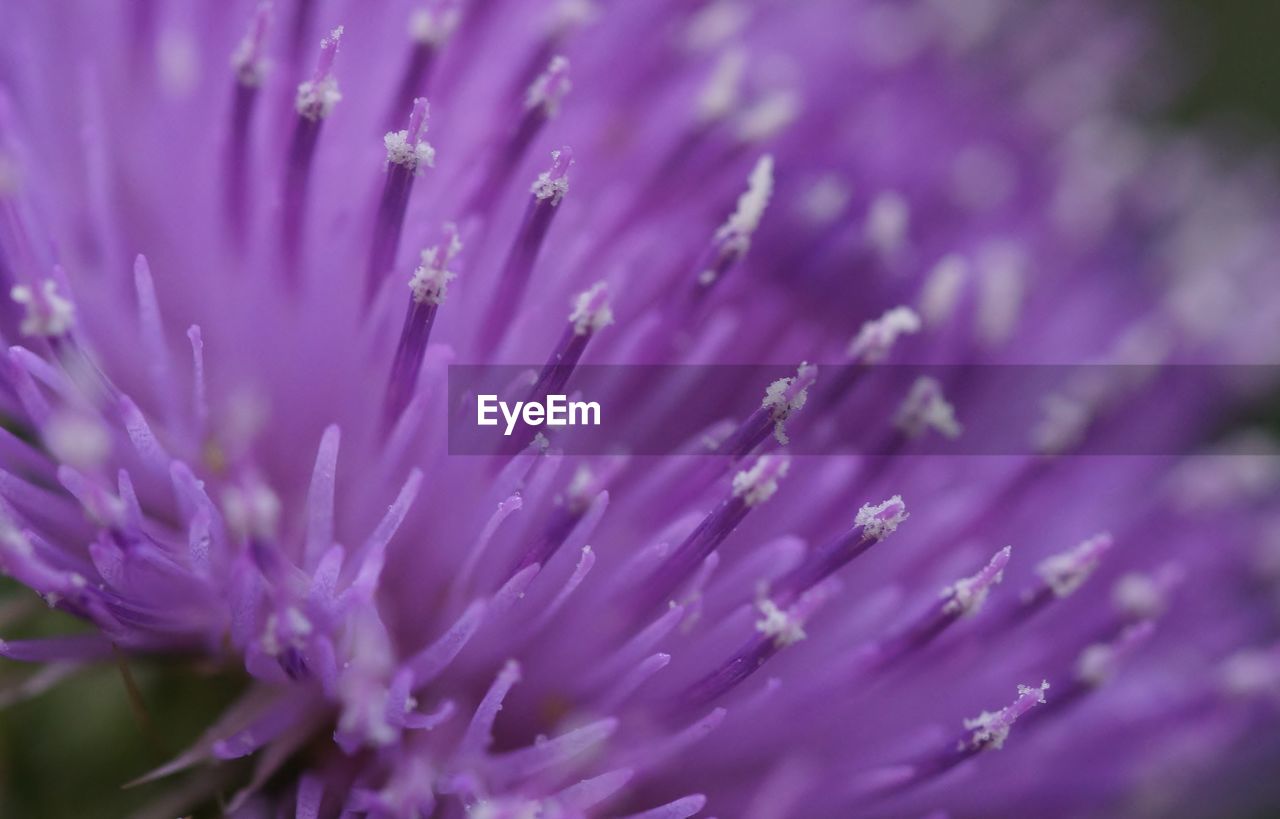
(542, 635)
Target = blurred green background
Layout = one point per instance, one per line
(1233, 61)
(66, 752)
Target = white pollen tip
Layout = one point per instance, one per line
(941, 292)
(248, 61)
(1097, 663)
(751, 204)
(782, 627)
(965, 597)
(1066, 572)
(878, 521)
(786, 396)
(991, 728)
(1252, 672)
(553, 183)
(434, 25)
(591, 310)
(548, 90)
(413, 156)
(926, 408)
(721, 93)
(316, 98)
(1142, 596)
(430, 281)
(48, 314)
(876, 337)
(762, 121)
(759, 483)
(888, 220)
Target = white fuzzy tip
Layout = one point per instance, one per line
(751, 204)
(926, 408)
(941, 292)
(317, 96)
(782, 627)
(786, 396)
(248, 61)
(77, 440)
(433, 26)
(720, 94)
(876, 337)
(1252, 672)
(48, 314)
(762, 121)
(888, 219)
(1066, 572)
(878, 521)
(965, 597)
(410, 155)
(431, 279)
(1142, 596)
(548, 90)
(591, 310)
(991, 728)
(1097, 663)
(759, 483)
(252, 510)
(553, 183)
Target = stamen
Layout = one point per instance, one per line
(782, 399)
(720, 94)
(314, 103)
(758, 484)
(427, 289)
(48, 313)
(430, 28)
(547, 191)
(751, 488)
(249, 66)
(872, 524)
(779, 626)
(1064, 573)
(733, 239)
(591, 310)
(584, 504)
(991, 728)
(876, 337)
(941, 292)
(1141, 596)
(435, 23)
(768, 117)
(317, 96)
(888, 219)
(965, 597)
(926, 408)
(407, 154)
(1098, 662)
(1002, 274)
(1252, 672)
(248, 59)
(542, 102)
(776, 630)
(548, 90)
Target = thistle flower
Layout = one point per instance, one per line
(536, 634)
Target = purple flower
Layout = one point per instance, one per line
(741, 633)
